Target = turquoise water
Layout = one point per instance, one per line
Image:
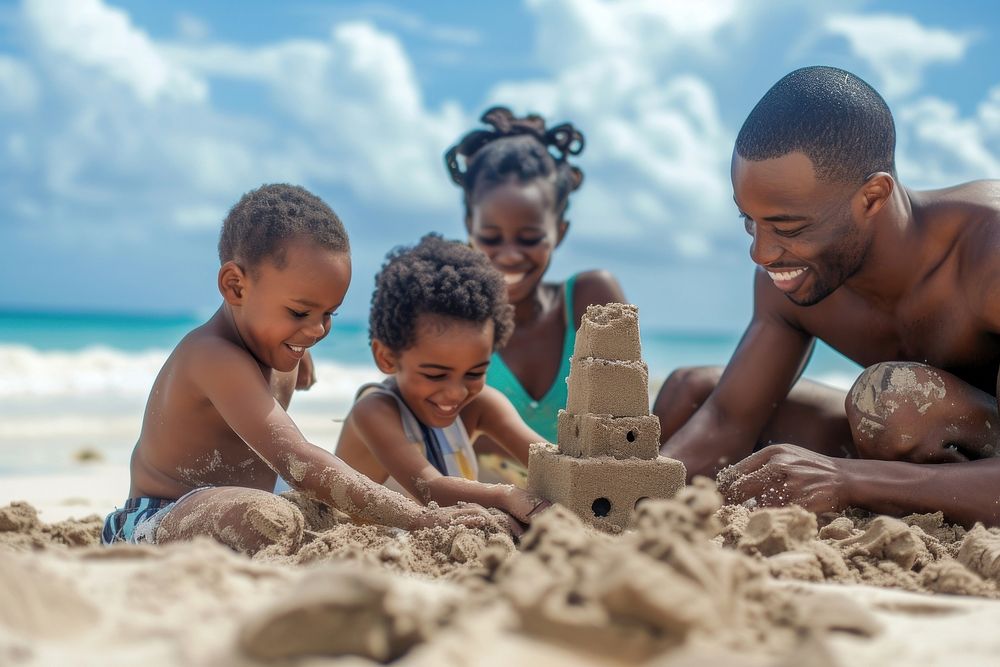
(347, 344)
(70, 381)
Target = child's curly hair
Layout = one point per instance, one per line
(522, 149)
(438, 277)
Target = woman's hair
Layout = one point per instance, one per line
(518, 149)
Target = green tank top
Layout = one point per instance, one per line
(541, 414)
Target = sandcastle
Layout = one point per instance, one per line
(608, 457)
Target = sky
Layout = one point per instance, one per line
(128, 129)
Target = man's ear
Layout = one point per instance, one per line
(232, 283)
(875, 192)
(385, 358)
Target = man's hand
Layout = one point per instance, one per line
(307, 373)
(787, 474)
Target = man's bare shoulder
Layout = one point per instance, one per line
(983, 194)
(974, 207)
(971, 212)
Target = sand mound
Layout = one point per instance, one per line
(917, 553)
(691, 582)
(659, 587)
(920, 552)
(20, 529)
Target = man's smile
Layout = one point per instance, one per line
(787, 280)
(785, 275)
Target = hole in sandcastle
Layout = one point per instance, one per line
(630, 436)
(577, 427)
(601, 507)
(640, 501)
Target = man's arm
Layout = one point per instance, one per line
(965, 491)
(786, 474)
(758, 377)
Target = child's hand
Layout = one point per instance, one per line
(473, 516)
(523, 505)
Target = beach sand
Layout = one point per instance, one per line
(692, 583)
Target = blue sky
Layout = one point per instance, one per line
(127, 129)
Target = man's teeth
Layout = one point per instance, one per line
(785, 275)
(447, 408)
(511, 278)
(296, 348)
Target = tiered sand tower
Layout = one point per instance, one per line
(608, 457)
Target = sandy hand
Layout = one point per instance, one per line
(784, 475)
(473, 516)
(523, 505)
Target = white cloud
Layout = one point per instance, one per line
(133, 138)
(657, 152)
(143, 132)
(356, 100)
(19, 90)
(417, 25)
(939, 146)
(898, 48)
(191, 27)
(989, 111)
(573, 31)
(91, 34)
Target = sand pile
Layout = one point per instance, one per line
(20, 529)
(661, 587)
(692, 581)
(920, 552)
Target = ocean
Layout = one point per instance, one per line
(75, 382)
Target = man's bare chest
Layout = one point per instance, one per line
(941, 332)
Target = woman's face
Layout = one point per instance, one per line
(516, 226)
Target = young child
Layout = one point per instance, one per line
(438, 313)
(516, 193)
(215, 434)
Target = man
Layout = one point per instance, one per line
(905, 283)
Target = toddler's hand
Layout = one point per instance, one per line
(473, 516)
(523, 505)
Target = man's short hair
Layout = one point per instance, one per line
(265, 219)
(840, 122)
